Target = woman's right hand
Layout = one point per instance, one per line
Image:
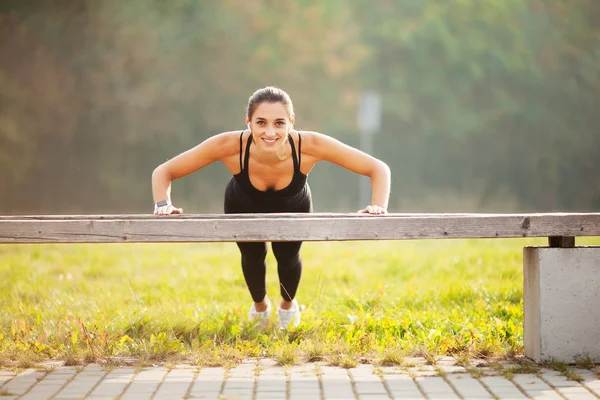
(167, 210)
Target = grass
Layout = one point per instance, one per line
(376, 301)
(5, 392)
(522, 368)
(564, 370)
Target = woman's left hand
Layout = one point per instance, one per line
(373, 209)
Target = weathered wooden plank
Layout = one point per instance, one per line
(219, 216)
(276, 215)
(281, 228)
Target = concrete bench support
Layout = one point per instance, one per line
(561, 303)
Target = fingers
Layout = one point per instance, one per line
(167, 210)
(373, 209)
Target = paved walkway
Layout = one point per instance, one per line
(263, 379)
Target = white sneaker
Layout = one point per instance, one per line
(286, 316)
(260, 317)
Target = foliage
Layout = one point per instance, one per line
(488, 104)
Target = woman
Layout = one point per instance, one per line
(270, 162)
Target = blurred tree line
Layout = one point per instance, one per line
(488, 105)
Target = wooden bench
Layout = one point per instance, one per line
(561, 282)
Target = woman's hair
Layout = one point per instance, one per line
(270, 94)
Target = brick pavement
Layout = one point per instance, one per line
(255, 379)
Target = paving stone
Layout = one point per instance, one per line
(361, 370)
(114, 383)
(271, 395)
(206, 396)
(240, 382)
(392, 370)
(176, 383)
(416, 372)
(543, 394)
(237, 394)
(72, 396)
(272, 371)
(299, 385)
(268, 389)
(436, 387)
(211, 371)
(304, 396)
(136, 396)
(209, 387)
(181, 367)
(559, 381)
(58, 376)
(94, 368)
(402, 385)
(369, 390)
(496, 381)
(303, 373)
(315, 391)
(535, 387)
(44, 389)
(339, 396)
(576, 393)
(530, 382)
(4, 379)
(66, 370)
(415, 360)
(246, 368)
(446, 361)
(150, 375)
(366, 382)
(508, 394)
(181, 373)
(336, 383)
(306, 381)
(591, 381)
(22, 382)
(468, 387)
(452, 369)
(145, 387)
(502, 388)
(38, 395)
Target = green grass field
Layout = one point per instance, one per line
(364, 302)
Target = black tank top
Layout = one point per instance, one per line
(296, 186)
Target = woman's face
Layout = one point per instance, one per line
(270, 125)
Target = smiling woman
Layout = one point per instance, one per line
(270, 162)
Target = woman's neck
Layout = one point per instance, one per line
(272, 157)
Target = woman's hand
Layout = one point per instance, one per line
(373, 209)
(167, 210)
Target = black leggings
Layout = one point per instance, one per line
(289, 267)
(287, 254)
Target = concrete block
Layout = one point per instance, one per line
(561, 290)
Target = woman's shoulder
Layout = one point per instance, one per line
(309, 138)
(231, 138)
(226, 143)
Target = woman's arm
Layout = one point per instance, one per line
(213, 149)
(326, 148)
